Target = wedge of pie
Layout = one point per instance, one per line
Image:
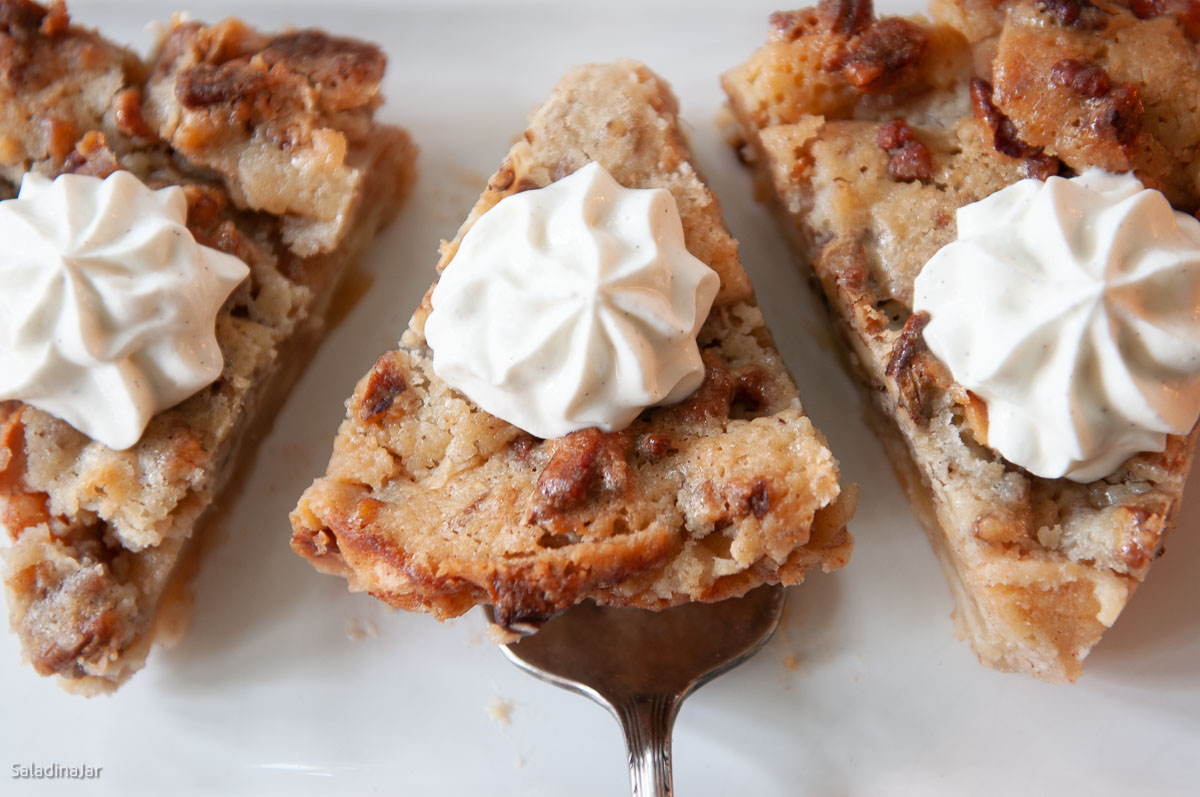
(869, 133)
(431, 504)
(272, 139)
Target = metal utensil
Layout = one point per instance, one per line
(641, 665)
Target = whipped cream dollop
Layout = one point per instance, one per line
(1072, 308)
(107, 303)
(573, 306)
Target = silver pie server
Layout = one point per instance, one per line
(641, 665)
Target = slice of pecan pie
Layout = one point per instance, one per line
(869, 133)
(432, 504)
(273, 141)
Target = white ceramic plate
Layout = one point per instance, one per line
(270, 694)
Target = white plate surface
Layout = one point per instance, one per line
(270, 693)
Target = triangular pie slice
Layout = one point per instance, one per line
(1040, 568)
(272, 139)
(431, 504)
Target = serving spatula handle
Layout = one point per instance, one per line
(647, 721)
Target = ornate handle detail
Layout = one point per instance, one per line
(647, 721)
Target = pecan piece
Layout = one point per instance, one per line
(875, 60)
(91, 156)
(127, 113)
(503, 179)
(383, 386)
(653, 446)
(1065, 12)
(344, 72)
(790, 25)
(1118, 109)
(750, 388)
(19, 16)
(759, 501)
(999, 528)
(847, 17)
(522, 446)
(1142, 534)
(1073, 13)
(56, 21)
(714, 396)
(1004, 133)
(581, 461)
(1189, 19)
(906, 367)
(525, 184)
(1145, 9)
(205, 204)
(1041, 166)
(747, 497)
(1007, 142)
(1120, 114)
(910, 163)
(227, 239)
(58, 136)
(908, 158)
(1084, 77)
(894, 134)
(982, 106)
(204, 85)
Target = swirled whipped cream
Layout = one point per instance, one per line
(1072, 308)
(572, 306)
(107, 303)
